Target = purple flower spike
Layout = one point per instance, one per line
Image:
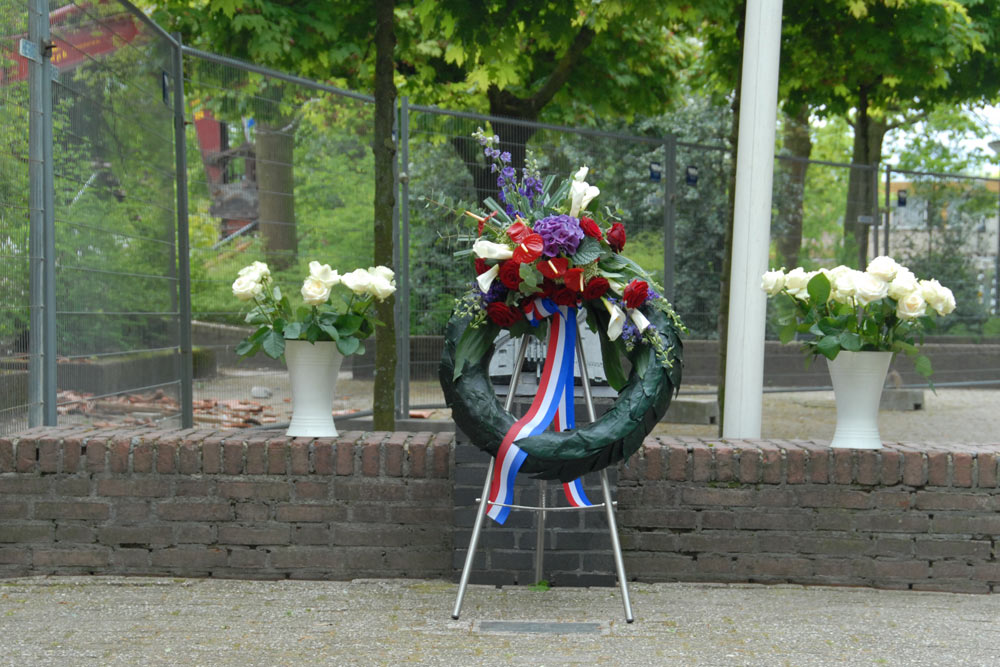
(505, 157)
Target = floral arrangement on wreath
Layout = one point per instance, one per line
(545, 242)
(326, 315)
(542, 258)
(883, 308)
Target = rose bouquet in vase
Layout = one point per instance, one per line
(315, 336)
(858, 320)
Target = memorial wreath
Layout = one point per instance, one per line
(544, 260)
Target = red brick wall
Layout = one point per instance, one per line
(235, 504)
(260, 505)
(908, 516)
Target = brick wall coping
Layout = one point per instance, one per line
(69, 449)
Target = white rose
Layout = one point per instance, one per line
(581, 173)
(937, 296)
(257, 270)
(247, 287)
(358, 281)
(380, 287)
(883, 267)
(844, 285)
(315, 292)
(489, 250)
(903, 284)
(773, 282)
(796, 281)
(383, 271)
(869, 288)
(324, 274)
(911, 306)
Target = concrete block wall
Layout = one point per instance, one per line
(255, 504)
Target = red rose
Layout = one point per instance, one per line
(590, 228)
(616, 237)
(596, 287)
(481, 266)
(574, 279)
(510, 274)
(502, 314)
(635, 293)
(564, 296)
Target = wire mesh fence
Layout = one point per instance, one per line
(280, 169)
(15, 299)
(278, 172)
(116, 290)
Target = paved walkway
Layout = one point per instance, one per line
(149, 621)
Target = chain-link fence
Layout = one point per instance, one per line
(96, 217)
(94, 314)
(15, 207)
(280, 170)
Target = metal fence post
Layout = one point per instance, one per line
(42, 361)
(996, 263)
(183, 241)
(669, 214)
(401, 248)
(888, 204)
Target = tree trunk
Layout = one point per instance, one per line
(727, 252)
(276, 187)
(384, 150)
(862, 185)
(798, 145)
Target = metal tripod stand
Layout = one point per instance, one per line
(541, 509)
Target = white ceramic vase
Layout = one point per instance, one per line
(312, 373)
(858, 378)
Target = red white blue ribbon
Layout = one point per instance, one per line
(552, 403)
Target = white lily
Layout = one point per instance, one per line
(581, 173)
(617, 320)
(486, 278)
(588, 196)
(577, 191)
(489, 250)
(640, 321)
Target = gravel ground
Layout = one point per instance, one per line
(69, 621)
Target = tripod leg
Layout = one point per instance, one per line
(477, 527)
(616, 546)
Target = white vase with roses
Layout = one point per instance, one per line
(313, 337)
(859, 320)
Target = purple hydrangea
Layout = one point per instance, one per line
(561, 233)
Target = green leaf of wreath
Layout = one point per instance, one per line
(473, 345)
(613, 364)
(588, 250)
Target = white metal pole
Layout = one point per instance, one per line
(752, 219)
